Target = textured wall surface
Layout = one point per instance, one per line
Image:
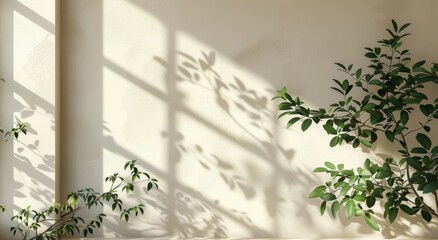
(184, 87)
(27, 63)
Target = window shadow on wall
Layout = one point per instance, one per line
(195, 214)
(27, 166)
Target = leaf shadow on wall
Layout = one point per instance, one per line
(196, 70)
(231, 97)
(194, 213)
(29, 178)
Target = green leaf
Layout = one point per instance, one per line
(418, 150)
(366, 143)
(330, 129)
(328, 197)
(404, 117)
(394, 24)
(320, 169)
(370, 201)
(406, 209)
(341, 66)
(318, 192)
(330, 165)
(356, 143)
(359, 198)
(414, 163)
(360, 187)
(418, 64)
(335, 209)
(345, 85)
(371, 222)
(306, 124)
(430, 187)
(345, 189)
(368, 107)
(337, 90)
(370, 55)
(323, 207)
(347, 172)
(425, 110)
(403, 27)
(358, 73)
(376, 117)
(350, 207)
(334, 141)
(426, 216)
(424, 140)
(392, 214)
(292, 121)
(389, 135)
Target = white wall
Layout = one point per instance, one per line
(27, 63)
(134, 88)
(185, 88)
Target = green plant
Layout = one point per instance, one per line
(392, 92)
(63, 219)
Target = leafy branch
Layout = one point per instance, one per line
(63, 218)
(393, 91)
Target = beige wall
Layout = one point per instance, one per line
(27, 63)
(184, 87)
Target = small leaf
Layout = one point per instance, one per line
(341, 66)
(368, 107)
(359, 198)
(334, 141)
(317, 192)
(329, 128)
(419, 150)
(426, 216)
(292, 121)
(320, 169)
(328, 197)
(403, 27)
(370, 201)
(406, 209)
(350, 207)
(404, 117)
(358, 73)
(345, 189)
(371, 222)
(430, 187)
(356, 143)
(376, 117)
(392, 214)
(418, 64)
(330, 165)
(306, 124)
(394, 24)
(424, 140)
(335, 209)
(366, 143)
(323, 207)
(389, 135)
(360, 187)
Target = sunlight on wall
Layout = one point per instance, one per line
(185, 88)
(28, 65)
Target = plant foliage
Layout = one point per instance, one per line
(63, 219)
(392, 90)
